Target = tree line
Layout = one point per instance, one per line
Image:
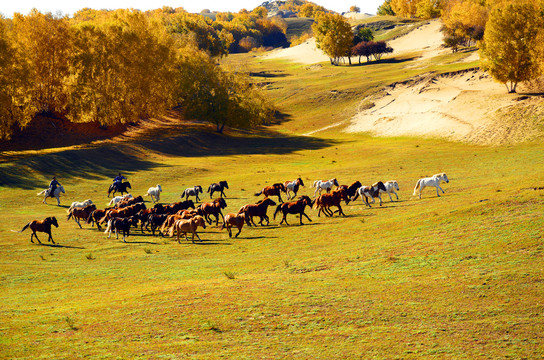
(509, 33)
(119, 66)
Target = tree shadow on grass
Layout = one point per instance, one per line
(103, 160)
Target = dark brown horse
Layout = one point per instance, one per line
(325, 201)
(232, 220)
(121, 187)
(219, 187)
(351, 190)
(274, 189)
(81, 213)
(41, 226)
(294, 207)
(213, 208)
(292, 186)
(258, 209)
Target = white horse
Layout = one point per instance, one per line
(154, 192)
(390, 187)
(434, 180)
(324, 185)
(118, 198)
(58, 190)
(82, 204)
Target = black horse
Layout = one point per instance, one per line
(218, 187)
(121, 187)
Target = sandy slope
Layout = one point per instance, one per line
(467, 106)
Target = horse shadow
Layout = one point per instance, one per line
(60, 246)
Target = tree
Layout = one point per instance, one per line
(415, 8)
(385, 9)
(355, 9)
(16, 106)
(46, 41)
(464, 22)
(333, 36)
(512, 46)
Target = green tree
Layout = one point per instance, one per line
(333, 36)
(511, 50)
(385, 9)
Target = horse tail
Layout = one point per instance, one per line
(172, 229)
(278, 208)
(90, 218)
(258, 193)
(209, 188)
(417, 187)
(25, 227)
(183, 194)
(69, 215)
(315, 183)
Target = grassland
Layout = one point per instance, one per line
(458, 276)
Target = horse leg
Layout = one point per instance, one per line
(50, 238)
(443, 192)
(77, 221)
(239, 231)
(198, 237)
(379, 197)
(58, 200)
(340, 211)
(307, 217)
(390, 198)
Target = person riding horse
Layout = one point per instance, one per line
(52, 187)
(118, 180)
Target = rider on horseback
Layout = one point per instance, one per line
(52, 187)
(118, 180)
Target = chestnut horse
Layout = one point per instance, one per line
(325, 201)
(81, 213)
(95, 217)
(258, 209)
(219, 187)
(274, 189)
(42, 226)
(292, 186)
(213, 208)
(185, 226)
(232, 220)
(294, 207)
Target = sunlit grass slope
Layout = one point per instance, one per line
(456, 276)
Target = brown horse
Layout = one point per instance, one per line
(258, 209)
(41, 226)
(274, 189)
(232, 220)
(213, 208)
(325, 201)
(294, 207)
(95, 217)
(188, 226)
(81, 213)
(292, 186)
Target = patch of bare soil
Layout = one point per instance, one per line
(462, 106)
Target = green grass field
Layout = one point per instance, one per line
(458, 276)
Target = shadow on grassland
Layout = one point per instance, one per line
(99, 161)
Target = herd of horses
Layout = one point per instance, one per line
(184, 217)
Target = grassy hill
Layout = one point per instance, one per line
(456, 276)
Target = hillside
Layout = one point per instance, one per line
(455, 274)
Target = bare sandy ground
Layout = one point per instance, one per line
(468, 106)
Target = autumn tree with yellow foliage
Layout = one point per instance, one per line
(512, 46)
(333, 35)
